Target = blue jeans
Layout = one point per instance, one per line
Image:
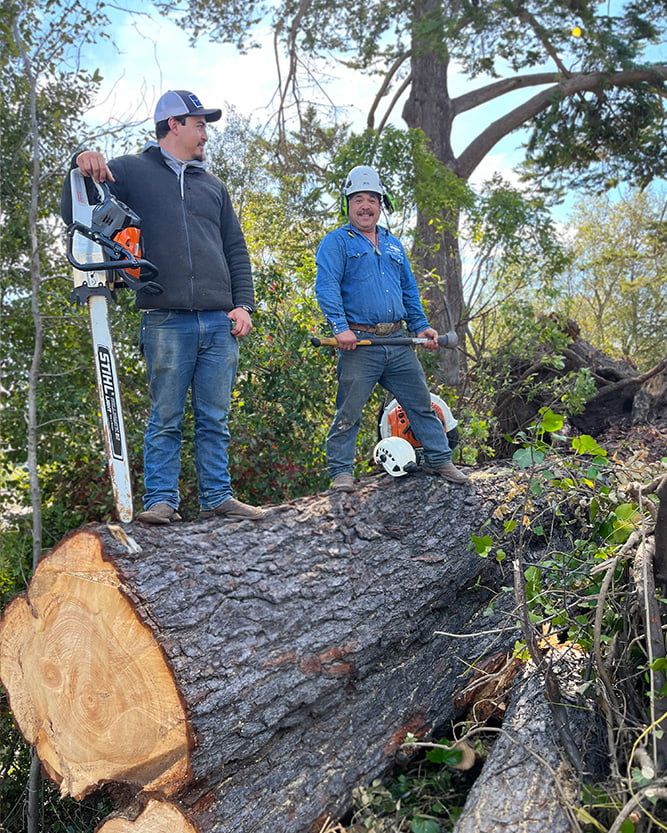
(399, 371)
(188, 350)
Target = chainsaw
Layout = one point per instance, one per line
(103, 246)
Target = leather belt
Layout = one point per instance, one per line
(378, 329)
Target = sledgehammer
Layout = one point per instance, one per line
(448, 340)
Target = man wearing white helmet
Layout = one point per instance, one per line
(365, 285)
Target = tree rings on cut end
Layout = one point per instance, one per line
(88, 683)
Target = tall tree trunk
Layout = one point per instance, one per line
(34, 778)
(437, 259)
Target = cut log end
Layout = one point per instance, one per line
(88, 683)
(157, 816)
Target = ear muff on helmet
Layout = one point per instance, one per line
(389, 201)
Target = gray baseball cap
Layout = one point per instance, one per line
(182, 103)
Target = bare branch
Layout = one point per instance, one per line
(388, 78)
(397, 95)
(291, 78)
(490, 92)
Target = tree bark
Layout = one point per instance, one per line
(250, 675)
(527, 784)
(437, 256)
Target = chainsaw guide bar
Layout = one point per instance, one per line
(100, 266)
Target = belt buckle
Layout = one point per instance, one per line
(384, 329)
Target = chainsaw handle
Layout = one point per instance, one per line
(109, 265)
(126, 262)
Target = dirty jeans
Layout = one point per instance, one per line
(399, 371)
(188, 350)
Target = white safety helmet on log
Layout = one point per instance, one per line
(396, 455)
(365, 178)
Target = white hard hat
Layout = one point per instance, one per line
(396, 455)
(363, 178)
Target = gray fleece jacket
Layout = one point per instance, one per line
(189, 230)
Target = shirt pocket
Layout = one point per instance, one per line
(359, 266)
(397, 258)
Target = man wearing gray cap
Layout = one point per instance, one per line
(190, 332)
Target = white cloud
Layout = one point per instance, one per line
(151, 55)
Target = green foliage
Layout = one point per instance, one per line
(579, 599)
(476, 431)
(283, 390)
(563, 590)
(575, 132)
(617, 281)
(411, 170)
(426, 797)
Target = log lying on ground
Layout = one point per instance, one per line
(250, 675)
(528, 784)
(623, 396)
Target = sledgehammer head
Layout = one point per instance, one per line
(449, 339)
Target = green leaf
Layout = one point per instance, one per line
(626, 511)
(587, 445)
(482, 544)
(444, 753)
(550, 420)
(422, 825)
(527, 457)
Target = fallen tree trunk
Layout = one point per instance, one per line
(527, 784)
(623, 396)
(239, 676)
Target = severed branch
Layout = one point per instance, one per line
(635, 380)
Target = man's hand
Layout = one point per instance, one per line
(432, 336)
(346, 340)
(242, 322)
(93, 164)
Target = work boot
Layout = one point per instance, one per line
(449, 472)
(343, 483)
(159, 513)
(231, 508)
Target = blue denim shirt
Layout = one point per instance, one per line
(358, 283)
